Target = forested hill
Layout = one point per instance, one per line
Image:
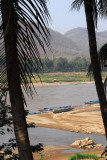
(80, 37)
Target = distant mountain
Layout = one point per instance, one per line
(72, 43)
(61, 46)
(80, 37)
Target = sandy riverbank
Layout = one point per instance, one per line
(54, 153)
(79, 120)
(44, 84)
(84, 120)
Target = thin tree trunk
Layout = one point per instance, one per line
(9, 17)
(94, 61)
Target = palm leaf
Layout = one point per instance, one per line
(102, 56)
(77, 4)
(32, 33)
(102, 8)
(95, 6)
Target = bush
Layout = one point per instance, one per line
(78, 156)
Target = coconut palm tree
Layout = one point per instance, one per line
(23, 28)
(92, 8)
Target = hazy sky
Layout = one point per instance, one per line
(63, 19)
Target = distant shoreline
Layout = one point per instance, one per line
(44, 84)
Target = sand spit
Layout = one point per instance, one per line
(82, 120)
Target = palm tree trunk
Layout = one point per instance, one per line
(9, 17)
(94, 61)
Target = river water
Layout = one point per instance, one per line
(63, 95)
(48, 136)
(54, 96)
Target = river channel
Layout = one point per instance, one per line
(55, 96)
(63, 95)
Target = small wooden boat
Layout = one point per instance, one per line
(92, 102)
(58, 108)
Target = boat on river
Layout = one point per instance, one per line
(59, 109)
(52, 109)
(92, 102)
(55, 109)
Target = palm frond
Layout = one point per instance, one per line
(78, 3)
(102, 57)
(32, 33)
(95, 12)
(102, 54)
(102, 8)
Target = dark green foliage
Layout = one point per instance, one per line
(7, 150)
(6, 120)
(5, 110)
(37, 148)
(77, 64)
(78, 156)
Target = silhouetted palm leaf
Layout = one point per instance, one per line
(99, 8)
(31, 30)
(102, 56)
(102, 8)
(78, 3)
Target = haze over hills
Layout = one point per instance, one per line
(61, 46)
(73, 43)
(80, 37)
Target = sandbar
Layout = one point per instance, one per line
(84, 120)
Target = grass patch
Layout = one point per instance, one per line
(79, 156)
(64, 77)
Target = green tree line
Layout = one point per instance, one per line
(77, 64)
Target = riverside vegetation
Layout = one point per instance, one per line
(78, 156)
(64, 77)
(76, 64)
